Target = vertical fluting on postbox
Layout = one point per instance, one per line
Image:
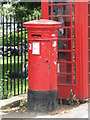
(42, 62)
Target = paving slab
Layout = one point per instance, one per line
(12, 100)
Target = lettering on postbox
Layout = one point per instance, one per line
(36, 48)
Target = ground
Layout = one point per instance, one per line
(64, 111)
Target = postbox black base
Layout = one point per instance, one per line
(40, 101)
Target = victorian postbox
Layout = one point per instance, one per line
(42, 61)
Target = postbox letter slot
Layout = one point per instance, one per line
(46, 61)
(36, 35)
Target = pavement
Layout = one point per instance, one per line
(12, 100)
(79, 112)
(82, 111)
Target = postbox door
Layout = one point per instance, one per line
(39, 65)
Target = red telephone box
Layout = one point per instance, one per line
(73, 41)
(42, 74)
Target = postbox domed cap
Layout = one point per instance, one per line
(43, 23)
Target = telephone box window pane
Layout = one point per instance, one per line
(64, 45)
(73, 33)
(73, 44)
(73, 9)
(49, 10)
(49, 18)
(67, 10)
(49, 1)
(54, 1)
(74, 79)
(68, 68)
(62, 56)
(67, 33)
(61, 10)
(74, 68)
(64, 14)
(65, 20)
(64, 68)
(64, 33)
(64, 79)
(65, 56)
(73, 56)
(73, 21)
(68, 56)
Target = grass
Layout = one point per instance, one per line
(14, 85)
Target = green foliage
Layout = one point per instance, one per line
(73, 100)
(25, 9)
(37, 12)
(12, 38)
(7, 9)
(22, 10)
(71, 94)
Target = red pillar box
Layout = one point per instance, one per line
(42, 74)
